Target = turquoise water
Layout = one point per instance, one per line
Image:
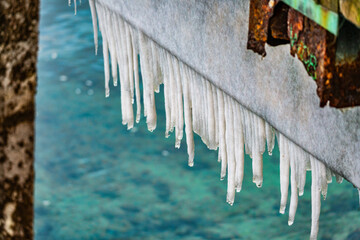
(96, 180)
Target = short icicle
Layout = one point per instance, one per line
(270, 138)
(259, 147)
(303, 159)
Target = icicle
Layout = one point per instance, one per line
(148, 85)
(322, 178)
(167, 91)
(222, 141)
(102, 21)
(130, 61)
(359, 196)
(247, 131)
(75, 6)
(315, 199)
(110, 35)
(120, 52)
(136, 74)
(94, 22)
(259, 147)
(126, 104)
(239, 147)
(294, 192)
(158, 78)
(270, 138)
(328, 175)
(204, 134)
(339, 179)
(229, 132)
(188, 117)
(172, 94)
(303, 159)
(194, 89)
(216, 114)
(69, 3)
(284, 172)
(180, 115)
(210, 117)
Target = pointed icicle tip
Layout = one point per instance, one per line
(75, 7)
(290, 222)
(282, 209)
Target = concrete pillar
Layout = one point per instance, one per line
(18, 55)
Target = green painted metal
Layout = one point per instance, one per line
(319, 14)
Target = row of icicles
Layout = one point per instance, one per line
(193, 102)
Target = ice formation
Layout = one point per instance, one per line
(194, 102)
(75, 8)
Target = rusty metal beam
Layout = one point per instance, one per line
(332, 61)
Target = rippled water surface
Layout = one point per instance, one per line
(96, 180)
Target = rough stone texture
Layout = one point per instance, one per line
(210, 36)
(18, 54)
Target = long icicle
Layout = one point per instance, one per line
(128, 115)
(121, 65)
(315, 199)
(112, 46)
(229, 132)
(94, 22)
(135, 52)
(100, 12)
(222, 141)
(147, 83)
(188, 117)
(239, 148)
(284, 172)
(180, 115)
(294, 188)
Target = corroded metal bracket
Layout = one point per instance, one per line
(331, 56)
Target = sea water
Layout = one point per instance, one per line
(96, 180)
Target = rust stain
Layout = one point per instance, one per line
(260, 13)
(338, 82)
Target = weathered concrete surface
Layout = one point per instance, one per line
(210, 36)
(18, 54)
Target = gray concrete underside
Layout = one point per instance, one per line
(210, 36)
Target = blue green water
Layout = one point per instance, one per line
(96, 180)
